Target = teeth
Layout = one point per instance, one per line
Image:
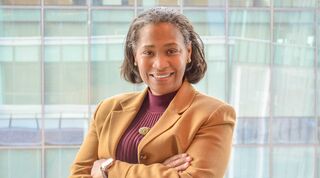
(162, 76)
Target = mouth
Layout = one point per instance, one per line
(162, 76)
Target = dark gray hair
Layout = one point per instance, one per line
(195, 70)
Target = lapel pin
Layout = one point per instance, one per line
(144, 130)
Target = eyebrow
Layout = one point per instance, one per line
(166, 45)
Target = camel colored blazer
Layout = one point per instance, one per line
(193, 123)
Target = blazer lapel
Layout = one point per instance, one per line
(172, 114)
(121, 119)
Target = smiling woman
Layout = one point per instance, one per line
(193, 131)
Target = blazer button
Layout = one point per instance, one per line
(143, 157)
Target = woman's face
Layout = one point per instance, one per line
(162, 56)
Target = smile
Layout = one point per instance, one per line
(162, 76)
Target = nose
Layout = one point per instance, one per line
(160, 62)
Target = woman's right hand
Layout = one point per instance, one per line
(179, 162)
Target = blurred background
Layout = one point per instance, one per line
(59, 58)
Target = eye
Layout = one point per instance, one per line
(172, 51)
(147, 53)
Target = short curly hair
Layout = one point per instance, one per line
(195, 70)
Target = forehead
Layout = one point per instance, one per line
(160, 32)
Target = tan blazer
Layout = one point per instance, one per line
(193, 123)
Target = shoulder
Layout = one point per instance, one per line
(212, 104)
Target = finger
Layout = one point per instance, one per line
(179, 162)
(182, 167)
(175, 157)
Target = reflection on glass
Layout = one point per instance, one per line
(58, 162)
(66, 57)
(106, 80)
(294, 3)
(294, 131)
(148, 3)
(252, 131)
(20, 2)
(65, 130)
(250, 90)
(204, 3)
(249, 30)
(249, 162)
(294, 91)
(293, 162)
(65, 2)
(19, 57)
(113, 2)
(249, 3)
(111, 22)
(294, 38)
(207, 22)
(20, 163)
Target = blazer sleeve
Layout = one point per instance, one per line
(88, 153)
(210, 150)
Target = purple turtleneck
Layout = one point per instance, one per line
(152, 108)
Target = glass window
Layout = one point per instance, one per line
(249, 3)
(113, 2)
(252, 131)
(58, 162)
(65, 2)
(20, 2)
(20, 57)
(294, 38)
(250, 90)
(111, 22)
(24, 163)
(293, 91)
(216, 79)
(293, 88)
(249, 30)
(148, 3)
(65, 130)
(293, 162)
(204, 3)
(249, 162)
(207, 22)
(294, 131)
(294, 3)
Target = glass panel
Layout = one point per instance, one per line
(106, 80)
(58, 162)
(111, 22)
(72, 23)
(249, 162)
(65, 131)
(294, 91)
(204, 3)
(216, 79)
(294, 3)
(249, 3)
(19, 57)
(250, 90)
(20, 130)
(148, 3)
(293, 162)
(207, 22)
(252, 131)
(65, 2)
(20, 163)
(294, 38)
(20, 2)
(250, 30)
(294, 131)
(113, 2)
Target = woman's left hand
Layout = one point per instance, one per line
(95, 171)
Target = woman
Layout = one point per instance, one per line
(169, 130)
